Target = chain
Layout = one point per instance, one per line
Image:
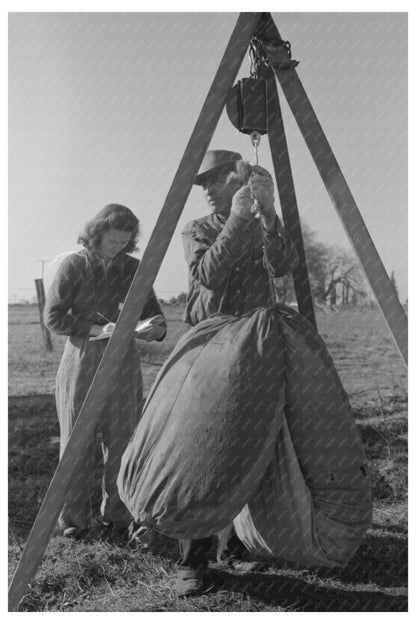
(255, 140)
(258, 56)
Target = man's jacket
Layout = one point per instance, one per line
(231, 265)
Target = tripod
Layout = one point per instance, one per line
(282, 68)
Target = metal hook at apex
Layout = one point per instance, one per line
(255, 137)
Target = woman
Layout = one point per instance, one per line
(84, 301)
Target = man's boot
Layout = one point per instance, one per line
(189, 581)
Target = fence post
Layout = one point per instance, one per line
(40, 292)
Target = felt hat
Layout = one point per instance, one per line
(216, 159)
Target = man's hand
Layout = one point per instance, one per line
(262, 192)
(256, 197)
(242, 203)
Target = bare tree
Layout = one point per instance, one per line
(343, 282)
(316, 259)
(334, 274)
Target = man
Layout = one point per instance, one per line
(232, 255)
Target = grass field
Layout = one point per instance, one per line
(109, 575)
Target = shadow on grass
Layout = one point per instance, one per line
(296, 594)
(381, 560)
(374, 580)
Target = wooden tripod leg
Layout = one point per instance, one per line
(287, 196)
(335, 183)
(346, 207)
(133, 306)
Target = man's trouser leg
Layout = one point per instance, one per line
(194, 553)
(230, 547)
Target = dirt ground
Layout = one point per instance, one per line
(375, 579)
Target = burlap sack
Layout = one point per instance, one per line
(313, 505)
(248, 420)
(209, 427)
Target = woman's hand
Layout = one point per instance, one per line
(109, 328)
(152, 333)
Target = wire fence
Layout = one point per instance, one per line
(27, 295)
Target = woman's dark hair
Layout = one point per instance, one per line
(111, 217)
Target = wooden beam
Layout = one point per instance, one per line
(133, 306)
(287, 196)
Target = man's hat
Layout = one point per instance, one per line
(216, 159)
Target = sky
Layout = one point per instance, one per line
(102, 105)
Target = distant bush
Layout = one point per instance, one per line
(179, 300)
